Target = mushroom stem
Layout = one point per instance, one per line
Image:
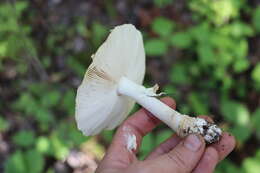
(143, 96)
(181, 124)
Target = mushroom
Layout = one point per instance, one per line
(113, 83)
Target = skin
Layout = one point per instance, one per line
(175, 155)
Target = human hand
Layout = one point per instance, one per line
(175, 155)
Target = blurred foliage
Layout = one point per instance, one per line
(211, 62)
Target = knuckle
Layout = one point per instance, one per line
(211, 155)
(178, 160)
(141, 167)
(163, 149)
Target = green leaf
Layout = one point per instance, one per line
(75, 136)
(156, 47)
(58, 147)
(46, 61)
(24, 138)
(251, 165)
(227, 166)
(135, 108)
(194, 69)
(162, 3)
(206, 54)
(38, 88)
(162, 136)
(227, 82)
(256, 73)
(26, 103)
(241, 65)
(108, 135)
(81, 27)
(20, 6)
(44, 116)
(25, 162)
(4, 124)
(201, 33)
(181, 40)
(184, 108)
(241, 48)
(171, 91)
(34, 161)
(235, 112)
(198, 103)
(224, 59)
(16, 163)
(50, 99)
(68, 102)
(241, 133)
(256, 119)
(257, 155)
(179, 74)
(219, 72)
(241, 90)
(75, 65)
(43, 144)
(256, 19)
(3, 49)
(50, 170)
(237, 29)
(147, 145)
(162, 26)
(242, 29)
(99, 32)
(220, 15)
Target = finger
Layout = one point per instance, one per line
(208, 161)
(225, 145)
(136, 126)
(183, 158)
(164, 147)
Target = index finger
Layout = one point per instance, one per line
(225, 145)
(136, 127)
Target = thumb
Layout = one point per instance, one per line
(185, 156)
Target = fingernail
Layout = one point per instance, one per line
(192, 142)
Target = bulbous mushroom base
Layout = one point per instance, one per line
(190, 125)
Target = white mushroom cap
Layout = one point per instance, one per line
(98, 106)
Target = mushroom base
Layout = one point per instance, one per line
(209, 131)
